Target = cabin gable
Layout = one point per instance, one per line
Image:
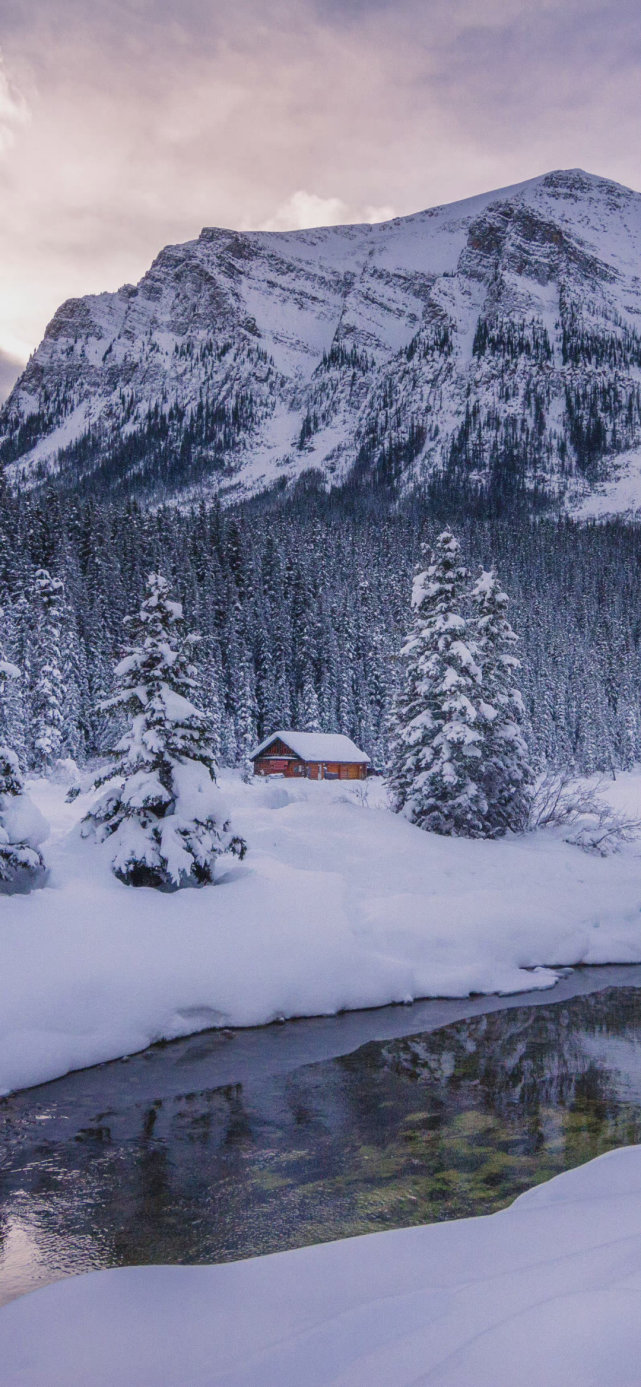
(320, 757)
(278, 759)
(277, 747)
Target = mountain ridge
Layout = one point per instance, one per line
(495, 341)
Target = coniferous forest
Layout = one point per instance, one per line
(302, 604)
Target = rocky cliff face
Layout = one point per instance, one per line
(495, 342)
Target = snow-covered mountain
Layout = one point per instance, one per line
(497, 339)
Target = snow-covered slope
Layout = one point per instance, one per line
(499, 337)
(546, 1293)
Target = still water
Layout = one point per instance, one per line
(231, 1144)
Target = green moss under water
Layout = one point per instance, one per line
(452, 1123)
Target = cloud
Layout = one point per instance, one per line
(308, 209)
(14, 110)
(130, 124)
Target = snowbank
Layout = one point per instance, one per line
(23, 821)
(337, 905)
(544, 1294)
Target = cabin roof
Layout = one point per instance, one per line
(316, 746)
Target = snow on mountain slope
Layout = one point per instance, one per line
(496, 340)
(618, 494)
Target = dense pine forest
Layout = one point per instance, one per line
(301, 603)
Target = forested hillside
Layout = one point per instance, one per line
(302, 605)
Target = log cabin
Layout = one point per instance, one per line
(315, 755)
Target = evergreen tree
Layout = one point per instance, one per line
(14, 725)
(505, 773)
(245, 711)
(48, 699)
(160, 802)
(312, 584)
(437, 746)
(211, 686)
(21, 863)
(308, 718)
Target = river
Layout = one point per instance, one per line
(230, 1144)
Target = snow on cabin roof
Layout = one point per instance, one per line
(316, 746)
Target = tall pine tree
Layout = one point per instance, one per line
(21, 826)
(160, 803)
(437, 738)
(505, 772)
(48, 698)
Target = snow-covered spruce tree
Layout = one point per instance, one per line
(22, 827)
(437, 736)
(308, 718)
(246, 712)
(48, 695)
(506, 775)
(160, 802)
(14, 703)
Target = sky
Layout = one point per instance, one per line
(129, 124)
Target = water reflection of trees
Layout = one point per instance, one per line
(432, 1126)
(556, 1082)
(529, 1057)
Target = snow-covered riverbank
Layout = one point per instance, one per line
(546, 1293)
(338, 905)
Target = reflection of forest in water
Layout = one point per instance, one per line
(451, 1123)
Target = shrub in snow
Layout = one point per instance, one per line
(579, 809)
(437, 736)
(505, 772)
(160, 804)
(22, 827)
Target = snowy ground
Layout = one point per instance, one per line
(546, 1293)
(338, 904)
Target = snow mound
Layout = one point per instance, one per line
(23, 821)
(545, 1294)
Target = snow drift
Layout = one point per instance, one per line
(338, 905)
(546, 1293)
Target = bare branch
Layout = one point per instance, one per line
(583, 813)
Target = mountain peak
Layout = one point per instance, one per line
(497, 337)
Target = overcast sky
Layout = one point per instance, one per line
(127, 124)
